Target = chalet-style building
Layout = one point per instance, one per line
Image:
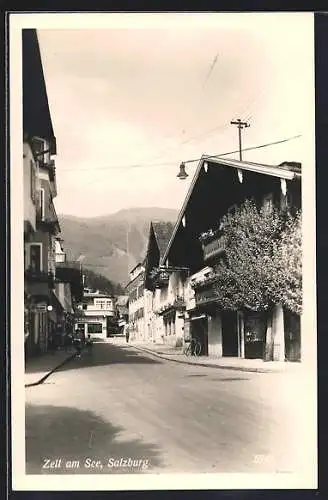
(164, 296)
(218, 186)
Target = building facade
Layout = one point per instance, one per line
(97, 313)
(69, 292)
(40, 219)
(46, 299)
(137, 298)
(183, 280)
(218, 188)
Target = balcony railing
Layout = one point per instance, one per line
(178, 303)
(33, 275)
(69, 264)
(50, 166)
(205, 296)
(214, 248)
(204, 281)
(160, 277)
(49, 218)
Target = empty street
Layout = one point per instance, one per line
(124, 411)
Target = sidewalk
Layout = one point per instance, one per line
(39, 368)
(171, 353)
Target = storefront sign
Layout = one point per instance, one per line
(40, 307)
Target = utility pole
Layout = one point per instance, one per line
(240, 126)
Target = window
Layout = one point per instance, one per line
(84, 307)
(34, 256)
(38, 146)
(42, 203)
(33, 181)
(100, 304)
(268, 203)
(94, 328)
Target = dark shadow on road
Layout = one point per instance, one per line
(69, 434)
(216, 379)
(108, 354)
(228, 379)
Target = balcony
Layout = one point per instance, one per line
(205, 296)
(38, 276)
(205, 281)
(69, 264)
(50, 166)
(177, 304)
(71, 272)
(48, 220)
(160, 277)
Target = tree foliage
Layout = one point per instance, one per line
(262, 264)
(99, 282)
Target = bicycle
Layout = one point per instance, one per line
(193, 348)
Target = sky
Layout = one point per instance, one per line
(130, 101)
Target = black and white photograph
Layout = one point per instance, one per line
(163, 321)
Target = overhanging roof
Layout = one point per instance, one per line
(36, 114)
(260, 168)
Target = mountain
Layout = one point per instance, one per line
(113, 244)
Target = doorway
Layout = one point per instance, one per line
(199, 331)
(229, 333)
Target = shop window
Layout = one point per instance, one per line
(255, 331)
(94, 327)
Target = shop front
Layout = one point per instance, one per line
(255, 328)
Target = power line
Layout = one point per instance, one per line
(211, 69)
(245, 149)
(122, 167)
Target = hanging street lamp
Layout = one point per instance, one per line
(182, 173)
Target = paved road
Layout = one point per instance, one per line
(122, 410)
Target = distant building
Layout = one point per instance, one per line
(161, 317)
(122, 310)
(96, 313)
(136, 291)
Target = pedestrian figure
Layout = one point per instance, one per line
(127, 334)
(51, 343)
(89, 344)
(78, 347)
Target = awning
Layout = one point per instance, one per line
(193, 318)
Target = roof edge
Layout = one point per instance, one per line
(260, 168)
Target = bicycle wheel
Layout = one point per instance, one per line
(187, 350)
(197, 348)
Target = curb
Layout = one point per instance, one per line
(208, 365)
(39, 382)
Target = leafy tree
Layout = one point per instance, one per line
(99, 282)
(287, 263)
(262, 263)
